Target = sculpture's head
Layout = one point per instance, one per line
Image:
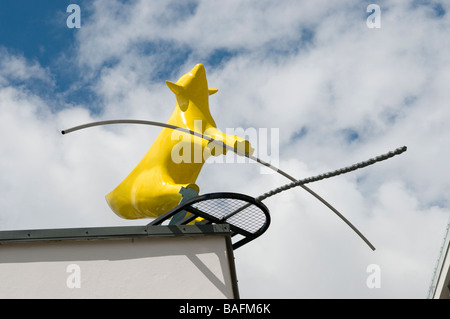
(192, 90)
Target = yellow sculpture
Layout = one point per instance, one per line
(175, 159)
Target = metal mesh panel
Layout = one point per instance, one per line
(247, 217)
(241, 214)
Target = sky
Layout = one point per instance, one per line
(336, 90)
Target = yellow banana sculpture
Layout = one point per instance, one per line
(176, 158)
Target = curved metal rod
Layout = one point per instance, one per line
(174, 127)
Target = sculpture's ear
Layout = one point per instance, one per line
(211, 91)
(175, 88)
(183, 103)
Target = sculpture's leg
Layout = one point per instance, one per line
(186, 193)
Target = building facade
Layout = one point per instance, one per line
(173, 262)
(440, 285)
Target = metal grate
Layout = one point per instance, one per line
(245, 215)
(235, 212)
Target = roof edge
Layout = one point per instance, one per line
(112, 232)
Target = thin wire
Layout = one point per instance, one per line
(337, 172)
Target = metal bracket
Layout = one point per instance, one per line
(186, 193)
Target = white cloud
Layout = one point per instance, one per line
(17, 68)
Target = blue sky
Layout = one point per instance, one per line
(337, 91)
(40, 34)
(37, 30)
(32, 28)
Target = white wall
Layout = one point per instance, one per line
(161, 267)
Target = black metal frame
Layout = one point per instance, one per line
(209, 219)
